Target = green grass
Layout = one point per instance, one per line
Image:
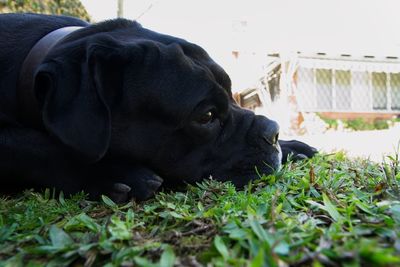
(360, 124)
(328, 211)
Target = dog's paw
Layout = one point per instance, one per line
(139, 183)
(151, 184)
(120, 193)
(296, 150)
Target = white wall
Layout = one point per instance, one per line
(337, 26)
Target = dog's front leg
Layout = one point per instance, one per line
(296, 150)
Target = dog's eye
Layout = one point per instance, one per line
(206, 117)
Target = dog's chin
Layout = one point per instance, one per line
(243, 179)
(245, 172)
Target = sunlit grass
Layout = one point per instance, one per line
(326, 211)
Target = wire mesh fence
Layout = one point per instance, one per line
(347, 86)
(300, 90)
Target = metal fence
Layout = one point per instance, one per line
(322, 85)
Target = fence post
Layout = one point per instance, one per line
(288, 96)
(120, 11)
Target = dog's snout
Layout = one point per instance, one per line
(263, 132)
(270, 134)
(272, 140)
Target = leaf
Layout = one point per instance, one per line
(176, 215)
(15, 260)
(143, 262)
(395, 210)
(167, 258)
(282, 248)
(171, 206)
(258, 260)
(109, 202)
(237, 234)
(47, 194)
(312, 175)
(362, 206)
(59, 238)
(126, 254)
(120, 229)
(262, 210)
(330, 208)
(200, 206)
(82, 221)
(221, 247)
(7, 231)
(316, 204)
(61, 198)
(260, 231)
(130, 216)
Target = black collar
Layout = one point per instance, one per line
(28, 106)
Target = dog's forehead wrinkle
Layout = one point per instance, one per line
(194, 56)
(201, 57)
(213, 72)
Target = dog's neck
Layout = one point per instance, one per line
(29, 109)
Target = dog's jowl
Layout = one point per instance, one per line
(114, 108)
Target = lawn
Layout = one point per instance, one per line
(327, 211)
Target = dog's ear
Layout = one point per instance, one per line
(73, 95)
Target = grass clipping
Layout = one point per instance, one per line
(327, 211)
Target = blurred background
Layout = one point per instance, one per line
(327, 70)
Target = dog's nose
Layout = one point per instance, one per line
(272, 140)
(264, 131)
(271, 133)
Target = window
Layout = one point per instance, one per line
(379, 99)
(395, 90)
(306, 88)
(324, 89)
(360, 91)
(343, 89)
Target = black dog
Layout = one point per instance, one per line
(114, 108)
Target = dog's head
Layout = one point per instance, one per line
(153, 100)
